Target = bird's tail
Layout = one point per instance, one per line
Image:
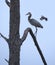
(41, 26)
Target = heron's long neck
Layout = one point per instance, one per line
(29, 17)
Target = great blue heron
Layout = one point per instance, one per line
(33, 21)
(43, 18)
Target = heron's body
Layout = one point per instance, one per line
(35, 23)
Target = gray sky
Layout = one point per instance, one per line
(46, 38)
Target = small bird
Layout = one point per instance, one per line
(43, 18)
(33, 21)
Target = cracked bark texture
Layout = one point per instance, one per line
(14, 36)
(14, 41)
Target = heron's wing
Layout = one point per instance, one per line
(35, 23)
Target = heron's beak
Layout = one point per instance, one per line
(27, 14)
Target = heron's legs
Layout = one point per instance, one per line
(36, 32)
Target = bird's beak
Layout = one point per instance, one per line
(27, 14)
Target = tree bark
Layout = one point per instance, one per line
(14, 18)
(14, 36)
(14, 53)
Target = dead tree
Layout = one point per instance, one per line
(14, 41)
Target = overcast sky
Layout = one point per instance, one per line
(46, 37)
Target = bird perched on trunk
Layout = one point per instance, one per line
(33, 21)
(43, 18)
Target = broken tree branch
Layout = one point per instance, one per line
(38, 48)
(7, 40)
(35, 41)
(6, 60)
(7, 2)
(25, 34)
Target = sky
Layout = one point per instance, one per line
(46, 37)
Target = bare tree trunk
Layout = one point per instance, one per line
(14, 18)
(14, 53)
(14, 40)
(14, 36)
